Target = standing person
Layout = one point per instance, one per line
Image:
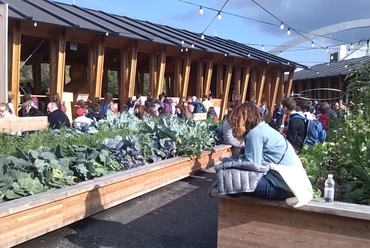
(264, 110)
(56, 117)
(206, 103)
(107, 105)
(11, 97)
(322, 116)
(278, 117)
(265, 144)
(211, 114)
(296, 132)
(58, 102)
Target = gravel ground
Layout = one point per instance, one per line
(178, 215)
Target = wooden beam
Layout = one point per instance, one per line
(262, 85)
(58, 62)
(290, 83)
(153, 77)
(124, 76)
(274, 94)
(225, 98)
(209, 71)
(15, 59)
(98, 82)
(133, 67)
(247, 73)
(162, 69)
(186, 72)
(91, 68)
(200, 78)
(237, 80)
(220, 81)
(4, 53)
(177, 77)
(254, 84)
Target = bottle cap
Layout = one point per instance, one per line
(330, 175)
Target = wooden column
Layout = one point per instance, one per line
(186, 74)
(281, 92)
(200, 78)
(275, 93)
(254, 84)
(237, 80)
(246, 76)
(57, 62)
(98, 82)
(133, 67)
(290, 83)
(209, 71)
(225, 98)
(4, 60)
(153, 67)
(220, 81)
(177, 77)
(262, 85)
(124, 76)
(15, 60)
(162, 69)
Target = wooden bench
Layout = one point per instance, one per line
(23, 124)
(254, 222)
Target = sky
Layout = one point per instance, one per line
(254, 23)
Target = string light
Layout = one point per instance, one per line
(332, 57)
(202, 36)
(281, 53)
(35, 24)
(345, 66)
(312, 44)
(186, 49)
(351, 45)
(327, 49)
(225, 54)
(182, 50)
(282, 26)
(288, 32)
(348, 51)
(263, 48)
(182, 42)
(219, 15)
(192, 45)
(201, 10)
(106, 34)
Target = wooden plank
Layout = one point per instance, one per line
(51, 210)
(209, 71)
(177, 77)
(124, 75)
(200, 78)
(262, 85)
(186, 73)
(4, 53)
(275, 93)
(225, 99)
(247, 73)
(98, 81)
(133, 67)
(57, 62)
(15, 58)
(220, 81)
(290, 83)
(24, 124)
(248, 224)
(162, 69)
(153, 74)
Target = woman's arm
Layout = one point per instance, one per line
(253, 147)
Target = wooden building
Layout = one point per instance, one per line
(325, 82)
(179, 62)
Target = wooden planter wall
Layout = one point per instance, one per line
(29, 217)
(266, 85)
(254, 222)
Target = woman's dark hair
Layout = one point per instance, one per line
(244, 118)
(108, 98)
(141, 112)
(320, 107)
(56, 97)
(181, 107)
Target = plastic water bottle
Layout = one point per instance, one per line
(329, 189)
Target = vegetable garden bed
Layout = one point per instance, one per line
(29, 217)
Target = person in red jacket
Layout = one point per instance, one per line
(322, 116)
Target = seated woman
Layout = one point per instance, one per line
(264, 144)
(5, 111)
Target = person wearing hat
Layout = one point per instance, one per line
(82, 119)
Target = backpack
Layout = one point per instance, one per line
(315, 133)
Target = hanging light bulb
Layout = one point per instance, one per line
(186, 49)
(348, 51)
(281, 53)
(35, 24)
(182, 42)
(282, 26)
(312, 44)
(219, 15)
(288, 32)
(345, 66)
(192, 45)
(201, 10)
(332, 57)
(327, 49)
(263, 48)
(202, 36)
(225, 54)
(106, 34)
(249, 54)
(351, 45)
(182, 50)
(327, 64)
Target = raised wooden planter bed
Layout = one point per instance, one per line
(32, 216)
(23, 124)
(253, 222)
